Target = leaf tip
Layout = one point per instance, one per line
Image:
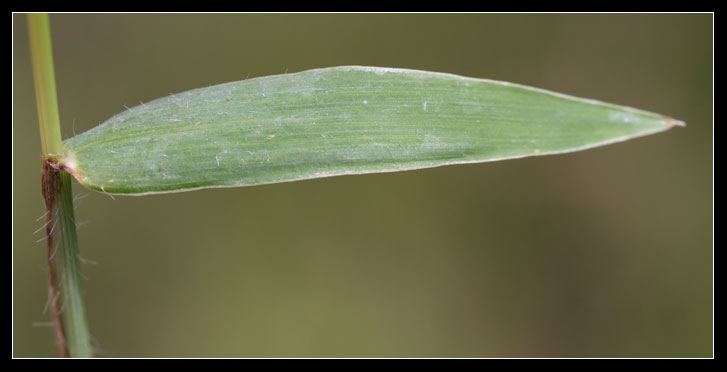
(671, 122)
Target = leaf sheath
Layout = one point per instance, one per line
(64, 289)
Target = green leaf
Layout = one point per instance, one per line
(336, 121)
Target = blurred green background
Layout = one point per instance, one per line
(601, 253)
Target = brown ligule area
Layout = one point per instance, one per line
(50, 182)
(55, 163)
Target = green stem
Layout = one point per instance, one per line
(64, 287)
(45, 83)
(67, 263)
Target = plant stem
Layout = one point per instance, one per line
(64, 287)
(45, 83)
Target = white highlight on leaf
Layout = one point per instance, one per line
(69, 160)
(623, 117)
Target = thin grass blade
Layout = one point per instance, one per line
(337, 121)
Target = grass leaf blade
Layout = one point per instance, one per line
(337, 121)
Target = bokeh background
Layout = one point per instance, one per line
(601, 253)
